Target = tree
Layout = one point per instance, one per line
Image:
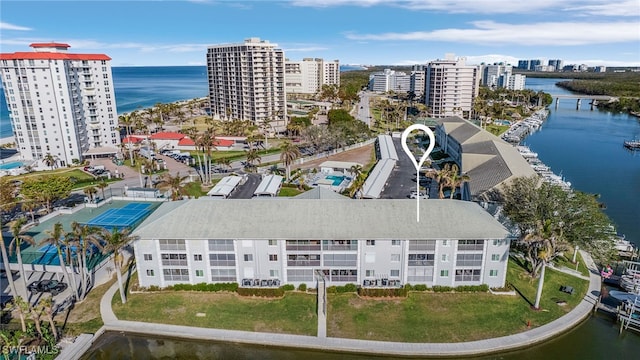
(289, 152)
(102, 185)
(115, 240)
(456, 179)
(252, 157)
(29, 206)
(46, 189)
(225, 162)
(50, 160)
(7, 192)
(90, 191)
(127, 121)
(45, 306)
(18, 236)
(442, 176)
(55, 238)
(356, 185)
(23, 307)
(84, 238)
(175, 185)
(3, 249)
(356, 171)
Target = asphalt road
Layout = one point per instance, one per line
(246, 190)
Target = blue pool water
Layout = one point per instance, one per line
(11, 165)
(337, 180)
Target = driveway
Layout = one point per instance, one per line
(246, 190)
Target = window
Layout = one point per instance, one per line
(395, 273)
(273, 242)
(444, 258)
(197, 257)
(174, 259)
(493, 273)
(421, 259)
(468, 275)
(220, 245)
(223, 274)
(172, 244)
(248, 257)
(340, 259)
(150, 272)
(395, 242)
(445, 242)
(469, 260)
(395, 257)
(200, 273)
(496, 242)
(176, 274)
(371, 242)
(444, 273)
(495, 257)
(273, 257)
(222, 260)
(274, 273)
(370, 273)
(470, 244)
(148, 257)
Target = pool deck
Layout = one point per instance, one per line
(511, 342)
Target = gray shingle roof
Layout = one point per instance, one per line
(320, 219)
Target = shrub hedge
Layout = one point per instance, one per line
(383, 292)
(288, 287)
(261, 292)
(302, 287)
(204, 287)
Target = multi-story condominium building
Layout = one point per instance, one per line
(417, 82)
(600, 69)
(309, 75)
(370, 243)
(512, 81)
(533, 63)
(489, 161)
(390, 80)
(544, 68)
(491, 73)
(556, 63)
(60, 103)
(247, 82)
(523, 64)
(451, 86)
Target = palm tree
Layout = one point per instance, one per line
(356, 185)
(356, 171)
(175, 184)
(442, 176)
(252, 156)
(23, 308)
(36, 314)
(102, 185)
(127, 121)
(289, 152)
(84, 238)
(5, 260)
(16, 244)
(90, 191)
(456, 179)
(55, 238)
(30, 206)
(45, 305)
(116, 240)
(50, 160)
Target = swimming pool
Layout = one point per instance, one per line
(11, 165)
(337, 180)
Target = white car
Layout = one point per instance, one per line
(414, 194)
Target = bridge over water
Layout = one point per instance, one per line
(578, 97)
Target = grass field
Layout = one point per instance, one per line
(421, 317)
(288, 191)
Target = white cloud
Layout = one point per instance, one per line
(7, 26)
(575, 7)
(548, 34)
(597, 62)
(306, 49)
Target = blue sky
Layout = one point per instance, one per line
(594, 32)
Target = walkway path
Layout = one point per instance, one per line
(511, 342)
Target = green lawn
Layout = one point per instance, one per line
(421, 317)
(288, 191)
(565, 261)
(497, 129)
(293, 314)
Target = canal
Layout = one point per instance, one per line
(586, 148)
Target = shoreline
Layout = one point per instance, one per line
(365, 347)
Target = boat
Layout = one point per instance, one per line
(632, 144)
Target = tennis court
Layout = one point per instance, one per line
(126, 217)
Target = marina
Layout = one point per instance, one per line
(519, 130)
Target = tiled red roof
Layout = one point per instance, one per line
(51, 44)
(51, 56)
(222, 142)
(131, 139)
(185, 141)
(167, 136)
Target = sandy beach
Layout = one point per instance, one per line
(6, 140)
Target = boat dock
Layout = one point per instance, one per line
(521, 129)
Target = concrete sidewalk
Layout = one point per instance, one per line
(505, 343)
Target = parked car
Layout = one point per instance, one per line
(414, 194)
(5, 300)
(53, 286)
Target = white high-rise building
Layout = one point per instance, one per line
(512, 81)
(451, 86)
(390, 80)
(60, 103)
(417, 82)
(491, 73)
(309, 75)
(247, 82)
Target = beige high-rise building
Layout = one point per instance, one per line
(451, 86)
(247, 82)
(309, 75)
(60, 103)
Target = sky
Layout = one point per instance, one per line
(365, 32)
